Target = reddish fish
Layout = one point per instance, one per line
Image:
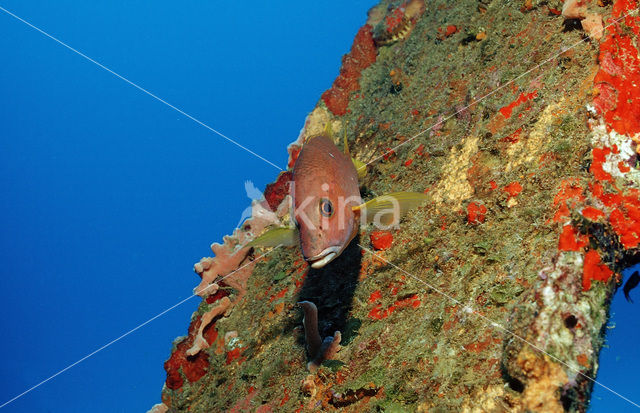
(328, 209)
(325, 191)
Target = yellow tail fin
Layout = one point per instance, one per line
(387, 209)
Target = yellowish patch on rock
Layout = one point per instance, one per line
(316, 122)
(544, 378)
(454, 187)
(489, 399)
(530, 148)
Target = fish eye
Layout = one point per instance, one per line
(326, 207)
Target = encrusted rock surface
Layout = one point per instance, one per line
(494, 295)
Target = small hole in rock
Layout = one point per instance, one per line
(571, 24)
(567, 402)
(515, 384)
(570, 321)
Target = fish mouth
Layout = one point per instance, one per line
(325, 257)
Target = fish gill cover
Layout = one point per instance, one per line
(494, 295)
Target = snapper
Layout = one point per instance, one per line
(327, 207)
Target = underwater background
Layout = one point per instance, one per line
(109, 196)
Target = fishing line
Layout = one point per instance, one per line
(131, 331)
(470, 310)
(475, 102)
(141, 89)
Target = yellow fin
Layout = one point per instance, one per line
(287, 237)
(361, 167)
(328, 130)
(386, 210)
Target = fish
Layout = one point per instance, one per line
(325, 191)
(327, 206)
(631, 283)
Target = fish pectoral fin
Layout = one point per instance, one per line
(361, 168)
(287, 237)
(388, 209)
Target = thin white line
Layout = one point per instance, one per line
(494, 324)
(140, 88)
(475, 102)
(129, 332)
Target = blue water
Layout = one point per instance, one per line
(620, 358)
(109, 196)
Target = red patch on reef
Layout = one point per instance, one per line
(379, 313)
(571, 239)
(363, 53)
(513, 138)
(610, 200)
(599, 158)
(479, 346)
(623, 167)
(376, 295)
(524, 97)
(388, 153)
(569, 189)
(217, 296)
(275, 192)
(394, 20)
(513, 189)
(450, 30)
(336, 100)
(617, 81)
(570, 194)
(286, 397)
(625, 215)
(172, 367)
(592, 213)
(625, 221)
(476, 213)
(279, 295)
(583, 360)
(235, 355)
(381, 240)
(193, 367)
(444, 32)
(594, 269)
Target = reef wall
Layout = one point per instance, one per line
(520, 120)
